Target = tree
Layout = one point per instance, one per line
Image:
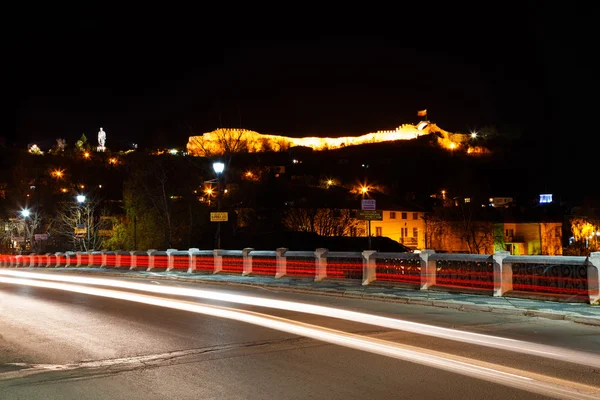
(585, 237)
(23, 226)
(222, 141)
(78, 225)
(322, 221)
(161, 208)
(82, 144)
(459, 229)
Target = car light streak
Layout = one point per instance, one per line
(572, 356)
(532, 383)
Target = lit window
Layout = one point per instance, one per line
(378, 231)
(392, 214)
(467, 199)
(545, 198)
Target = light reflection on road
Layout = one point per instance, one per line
(572, 356)
(502, 375)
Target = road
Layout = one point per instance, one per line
(58, 344)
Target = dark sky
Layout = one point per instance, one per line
(143, 74)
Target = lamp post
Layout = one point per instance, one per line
(218, 167)
(80, 200)
(25, 213)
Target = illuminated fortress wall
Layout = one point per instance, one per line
(231, 140)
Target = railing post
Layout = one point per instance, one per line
(320, 264)
(57, 254)
(170, 259)
(118, 259)
(48, 260)
(32, 260)
(104, 259)
(502, 274)
(428, 269)
(78, 258)
(593, 277)
(247, 261)
(69, 255)
(133, 258)
(218, 262)
(280, 262)
(193, 258)
(151, 259)
(369, 267)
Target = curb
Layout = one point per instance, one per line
(592, 321)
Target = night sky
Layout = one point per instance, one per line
(154, 76)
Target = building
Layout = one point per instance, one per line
(404, 224)
(529, 238)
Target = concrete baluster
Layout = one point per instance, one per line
(170, 259)
(151, 253)
(280, 262)
(193, 252)
(428, 269)
(503, 274)
(218, 261)
(247, 261)
(369, 267)
(593, 276)
(320, 264)
(133, 260)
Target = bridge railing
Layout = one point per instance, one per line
(499, 274)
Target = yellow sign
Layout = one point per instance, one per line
(219, 217)
(370, 215)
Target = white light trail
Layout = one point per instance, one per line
(572, 356)
(517, 379)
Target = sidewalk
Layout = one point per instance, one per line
(575, 312)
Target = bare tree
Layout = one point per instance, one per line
(22, 226)
(223, 141)
(458, 228)
(322, 221)
(79, 225)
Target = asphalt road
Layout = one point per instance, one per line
(62, 345)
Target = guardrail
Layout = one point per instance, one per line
(499, 274)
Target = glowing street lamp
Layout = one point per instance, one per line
(25, 213)
(81, 199)
(473, 135)
(219, 167)
(58, 173)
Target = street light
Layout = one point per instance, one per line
(81, 199)
(25, 213)
(218, 167)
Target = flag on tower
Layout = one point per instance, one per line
(422, 113)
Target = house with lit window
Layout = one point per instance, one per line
(334, 211)
(529, 238)
(520, 231)
(402, 223)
